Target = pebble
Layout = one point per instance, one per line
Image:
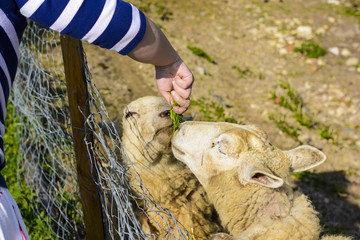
(334, 50)
(278, 22)
(284, 72)
(304, 32)
(340, 111)
(352, 61)
(345, 52)
(335, 2)
(320, 31)
(254, 31)
(310, 61)
(283, 51)
(290, 48)
(313, 68)
(254, 106)
(290, 39)
(271, 30)
(201, 70)
(331, 20)
(321, 62)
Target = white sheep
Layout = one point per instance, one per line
(147, 128)
(246, 178)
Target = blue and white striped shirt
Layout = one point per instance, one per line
(111, 24)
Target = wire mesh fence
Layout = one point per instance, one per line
(47, 161)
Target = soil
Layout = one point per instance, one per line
(254, 46)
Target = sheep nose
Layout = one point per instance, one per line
(181, 131)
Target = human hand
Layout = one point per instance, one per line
(174, 83)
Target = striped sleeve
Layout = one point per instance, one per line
(12, 26)
(111, 24)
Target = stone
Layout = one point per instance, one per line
(202, 71)
(331, 20)
(304, 32)
(334, 50)
(335, 2)
(321, 62)
(345, 52)
(352, 61)
(320, 31)
(283, 51)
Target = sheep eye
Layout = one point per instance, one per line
(212, 145)
(165, 113)
(129, 114)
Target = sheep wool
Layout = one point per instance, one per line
(147, 128)
(246, 178)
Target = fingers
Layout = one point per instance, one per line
(178, 86)
(181, 92)
(178, 80)
(184, 103)
(186, 78)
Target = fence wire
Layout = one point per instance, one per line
(47, 163)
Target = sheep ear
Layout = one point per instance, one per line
(262, 175)
(305, 157)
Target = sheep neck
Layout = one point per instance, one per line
(241, 206)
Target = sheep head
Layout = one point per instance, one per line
(146, 122)
(209, 149)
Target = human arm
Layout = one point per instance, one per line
(118, 26)
(172, 74)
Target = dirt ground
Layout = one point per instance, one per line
(258, 69)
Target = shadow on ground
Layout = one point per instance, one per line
(328, 192)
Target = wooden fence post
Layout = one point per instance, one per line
(77, 94)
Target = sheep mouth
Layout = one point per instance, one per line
(177, 150)
(166, 128)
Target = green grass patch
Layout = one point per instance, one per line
(303, 118)
(335, 230)
(164, 12)
(292, 101)
(326, 132)
(201, 53)
(176, 118)
(289, 99)
(350, 10)
(285, 127)
(212, 111)
(243, 72)
(311, 49)
(24, 196)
